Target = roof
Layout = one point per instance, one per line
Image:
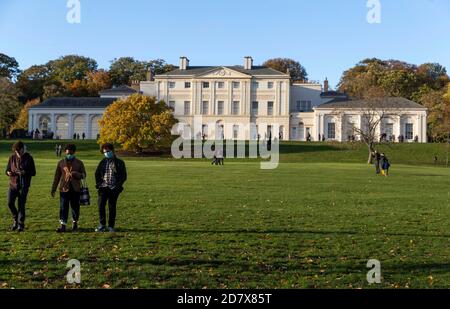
(198, 70)
(391, 102)
(118, 90)
(64, 102)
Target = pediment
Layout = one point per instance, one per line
(223, 72)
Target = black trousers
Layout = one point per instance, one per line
(18, 214)
(110, 197)
(68, 200)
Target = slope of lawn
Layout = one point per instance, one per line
(313, 222)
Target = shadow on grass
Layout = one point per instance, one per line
(246, 231)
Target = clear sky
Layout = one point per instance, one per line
(326, 36)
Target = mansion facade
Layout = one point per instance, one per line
(240, 102)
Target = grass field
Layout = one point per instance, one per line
(313, 222)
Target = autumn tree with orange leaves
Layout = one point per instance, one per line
(138, 123)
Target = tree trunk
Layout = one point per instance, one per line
(369, 160)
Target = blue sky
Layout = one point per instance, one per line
(326, 36)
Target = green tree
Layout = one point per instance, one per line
(9, 104)
(125, 70)
(9, 67)
(70, 68)
(31, 82)
(396, 77)
(296, 70)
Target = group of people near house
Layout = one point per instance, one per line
(70, 175)
(382, 163)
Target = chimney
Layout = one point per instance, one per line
(149, 75)
(184, 63)
(248, 63)
(326, 85)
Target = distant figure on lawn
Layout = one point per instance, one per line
(58, 150)
(110, 176)
(218, 156)
(385, 165)
(69, 173)
(377, 158)
(20, 169)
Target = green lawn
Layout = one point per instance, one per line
(313, 222)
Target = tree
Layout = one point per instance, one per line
(70, 68)
(125, 70)
(31, 82)
(22, 119)
(9, 67)
(91, 85)
(396, 77)
(296, 70)
(137, 123)
(374, 111)
(9, 103)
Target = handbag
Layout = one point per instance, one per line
(85, 197)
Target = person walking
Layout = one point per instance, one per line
(20, 170)
(385, 165)
(377, 158)
(110, 176)
(69, 173)
(218, 154)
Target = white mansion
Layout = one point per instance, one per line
(239, 102)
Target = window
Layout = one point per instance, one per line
(304, 106)
(205, 84)
(255, 85)
(205, 108)
(172, 85)
(220, 85)
(235, 131)
(255, 108)
(308, 106)
(269, 108)
(220, 108)
(270, 85)
(236, 108)
(187, 85)
(236, 85)
(331, 130)
(172, 104)
(204, 131)
(187, 107)
(409, 127)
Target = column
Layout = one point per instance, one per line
(30, 120)
(277, 97)
(227, 108)
(399, 127)
(317, 126)
(70, 129)
(53, 123)
(36, 121)
(87, 126)
(424, 129)
(212, 99)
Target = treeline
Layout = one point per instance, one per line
(74, 75)
(426, 84)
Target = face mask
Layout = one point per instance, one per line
(109, 155)
(70, 157)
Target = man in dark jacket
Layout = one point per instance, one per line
(20, 169)
(110, 176)
(68, 175)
